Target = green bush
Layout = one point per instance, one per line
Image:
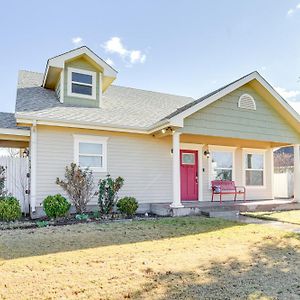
(128, 206)
(108, 193)
(10, 209)
(56, 206)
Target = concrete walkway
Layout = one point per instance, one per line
(275, 224)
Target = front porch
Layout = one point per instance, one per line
(249, 163)
(228, 208)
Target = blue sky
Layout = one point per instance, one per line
(180, 47)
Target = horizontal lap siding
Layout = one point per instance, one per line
(143, 161)
(224, 118)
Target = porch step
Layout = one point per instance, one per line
(164, 210)
(220, 213)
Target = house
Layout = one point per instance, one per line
(167, 148)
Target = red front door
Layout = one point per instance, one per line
(189, 175)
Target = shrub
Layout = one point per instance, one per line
(41, 224)
(79, 185)
(56, 206)
(82, 217)
(10, 209)
(128, 206)
(108, 191)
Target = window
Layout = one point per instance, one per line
(91, 152)
(81, 83)
(221, 165)
(254, 169)
(188, 158)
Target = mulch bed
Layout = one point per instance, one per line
(27, 223)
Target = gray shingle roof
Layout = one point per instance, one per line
(8, 121)
(122, 106)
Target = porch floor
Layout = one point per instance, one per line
(215, 209)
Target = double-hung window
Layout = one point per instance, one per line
(91, 152)
(221, 165)
(81, 83)
(254, 169)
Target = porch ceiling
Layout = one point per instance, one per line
(230, 142)
(14, 139)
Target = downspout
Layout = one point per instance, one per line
(33, 163)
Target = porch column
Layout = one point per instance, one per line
(176, 171)
(33, 156)
(271, 158)
(296, 173)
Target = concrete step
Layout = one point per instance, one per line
(221, 213)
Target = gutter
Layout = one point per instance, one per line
(86, 125)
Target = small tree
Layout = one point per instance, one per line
(79, 185)
(108, 191)
(2, 182)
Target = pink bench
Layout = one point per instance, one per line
(226, 187)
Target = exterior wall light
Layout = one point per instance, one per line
(25, 152)
(207, 153)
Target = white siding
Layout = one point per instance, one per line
(143, 161)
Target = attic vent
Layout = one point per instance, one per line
(247, 102)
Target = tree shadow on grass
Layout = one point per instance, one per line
(35, 242)
(272, 272)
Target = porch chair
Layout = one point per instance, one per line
(227, 187)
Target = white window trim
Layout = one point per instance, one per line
(254, 151)
(220, 149)
(93, 140)
(86, 72)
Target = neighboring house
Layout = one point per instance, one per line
(168, 148)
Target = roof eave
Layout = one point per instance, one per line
(29, 120)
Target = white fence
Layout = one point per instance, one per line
(284, 184)
(16, 182)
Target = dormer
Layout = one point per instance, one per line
(79, 77)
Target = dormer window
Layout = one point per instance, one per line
(81, 83)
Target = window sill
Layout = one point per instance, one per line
(82, 96)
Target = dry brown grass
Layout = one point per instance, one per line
(292, 216)
(180, 258)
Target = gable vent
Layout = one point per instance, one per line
(247, 102)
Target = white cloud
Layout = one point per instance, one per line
(77, 40)
(287, 94)
(263, 68)
(110, 61)
(115, 46)
(137, 56)
(291, 11)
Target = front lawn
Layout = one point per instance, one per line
(179, 258)
(292, 216)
